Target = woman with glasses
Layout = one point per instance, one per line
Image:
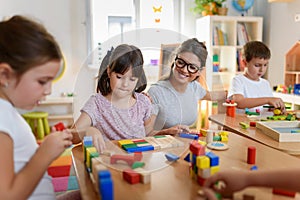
(175, 97)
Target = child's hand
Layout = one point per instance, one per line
(228, 182)
(178, 129)
(55, 143)
(209, 194)
(98, 140)
(277, 103)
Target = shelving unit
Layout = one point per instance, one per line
(292, 66)
(225, 38)
(60, 109)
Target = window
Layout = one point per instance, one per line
(146, 24)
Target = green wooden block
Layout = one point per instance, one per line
(137, 165)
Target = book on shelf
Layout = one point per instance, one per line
(239, 60)
(242, 34)
(219, 36)
(215, 36)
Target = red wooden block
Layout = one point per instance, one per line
(59, 171)
(201, 180)
(138, 156)
(131, 176)
(125, 158)
(59, 126)
(284, 192)
(253, 124)
(197, 148)
(230, 111)
(251, 155)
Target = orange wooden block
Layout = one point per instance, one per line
(62, 161)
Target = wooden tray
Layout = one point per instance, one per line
(281, 131)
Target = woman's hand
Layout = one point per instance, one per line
(176, 130)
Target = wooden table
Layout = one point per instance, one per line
(174, 182)
(232, 124)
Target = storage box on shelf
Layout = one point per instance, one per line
(224, 37)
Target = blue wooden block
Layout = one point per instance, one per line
(72, 183)
(140, 149)
(187, 157)
(254, 167)
(88, 141)
(171, 157)
(106, 189)
(104, 174)
(214, 159)
(189, 136)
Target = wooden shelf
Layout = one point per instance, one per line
(57, 100)
(60, 109)
(60, 117)
(227, 48)
(292, 66)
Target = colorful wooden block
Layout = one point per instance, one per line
(251, 155)
(171, 157)
(188, 136)
(284, 192)
(202, 162)
(196, 148)
(131, 176)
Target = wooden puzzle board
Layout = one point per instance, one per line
(152, 142)
(154, 160)
(281, 131)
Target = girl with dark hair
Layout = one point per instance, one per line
(29, 61)
(118, 110)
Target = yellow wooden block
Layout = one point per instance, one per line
(203, 132)
(223, 133)
(203, 143)
(123, 142)
(214, 170)
(202, 162)
(224, 138)
(89, 150)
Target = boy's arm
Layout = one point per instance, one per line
(243, 102)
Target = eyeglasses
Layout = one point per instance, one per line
(180, 63)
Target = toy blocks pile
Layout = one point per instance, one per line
(149, 143)
(99, 174)
(60, 169)
(203, 164)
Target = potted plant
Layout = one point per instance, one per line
(208, 7)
